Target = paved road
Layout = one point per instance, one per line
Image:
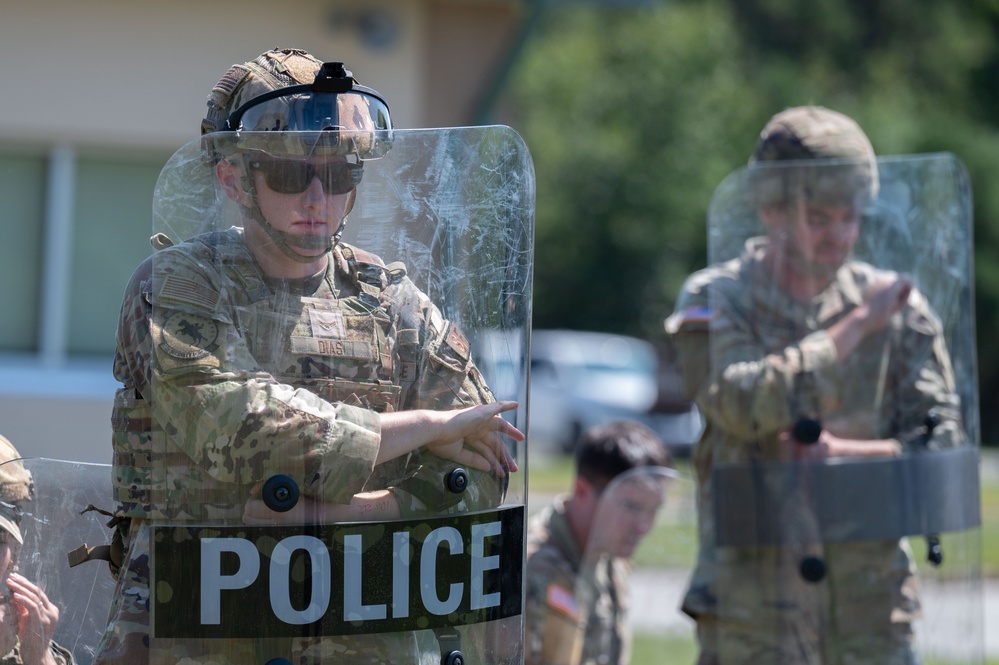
(949, 627)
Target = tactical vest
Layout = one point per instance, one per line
(362, 347)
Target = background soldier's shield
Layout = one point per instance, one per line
(439, 255)
(63, 523)
(813, 557)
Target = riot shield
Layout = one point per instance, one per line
(63, 517)
(622, 577)
(841, 512)
(309, 467)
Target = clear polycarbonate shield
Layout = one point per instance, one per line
(323, 478)
(842, 508)
(60, 526)
(637, 557)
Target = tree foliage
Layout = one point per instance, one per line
(634, 116)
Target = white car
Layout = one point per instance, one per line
(580, 379)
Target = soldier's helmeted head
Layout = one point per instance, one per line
(815, 155)
(16, 488)
(294, 118)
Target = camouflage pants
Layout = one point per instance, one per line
(728, 642)
(127, 639)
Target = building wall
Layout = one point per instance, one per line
(98, 95)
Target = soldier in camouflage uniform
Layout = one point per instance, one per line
(578, 550)
(794, 327)
(272, 347)
(28, 619)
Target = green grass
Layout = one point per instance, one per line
(654, 649)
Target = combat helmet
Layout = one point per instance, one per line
(816, 153)
(287, 104)
(16, 488)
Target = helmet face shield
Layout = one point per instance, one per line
(356, 122)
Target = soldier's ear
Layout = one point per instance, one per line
(231, 176)
(583, 489)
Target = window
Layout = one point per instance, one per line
(74, 228)
(22, 218)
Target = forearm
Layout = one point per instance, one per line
(862, 448)
(849, 332)
(406, 431)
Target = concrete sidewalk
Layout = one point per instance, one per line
(949, 628)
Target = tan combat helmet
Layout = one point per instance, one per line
(813, 152)
(16, 487)
(289, 91)
(287, 105)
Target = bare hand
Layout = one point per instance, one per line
(883, 298)
(474, 437)
(37, 618)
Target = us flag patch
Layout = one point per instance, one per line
(561, 599)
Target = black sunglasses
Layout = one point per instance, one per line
(289, 176)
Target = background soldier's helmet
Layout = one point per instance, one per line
(16, 487)
(815, 153)
(255, 104)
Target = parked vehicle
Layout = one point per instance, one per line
(580, 379)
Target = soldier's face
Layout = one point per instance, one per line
(303, 198)
(817, 239)
(628, 512)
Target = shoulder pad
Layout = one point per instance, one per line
(695, 317)
(360, 256)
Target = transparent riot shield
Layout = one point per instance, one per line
(625, 579)
(841, 516)
(317, 470)
(58, 525)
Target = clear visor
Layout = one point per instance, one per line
(349, 123)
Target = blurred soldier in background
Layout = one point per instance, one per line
(28, 619)
(579, 547)
(794, 351)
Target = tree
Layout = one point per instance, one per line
(633, 118)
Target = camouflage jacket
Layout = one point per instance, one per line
(575, 609)
(229, 377)
(754, 360)
(59, 654)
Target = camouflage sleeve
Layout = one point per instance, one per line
(925, 382)
(552, 630)
(60, 656)
(726, 369)
(132, 349)
(232, 419)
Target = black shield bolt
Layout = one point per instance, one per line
(280, 493)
